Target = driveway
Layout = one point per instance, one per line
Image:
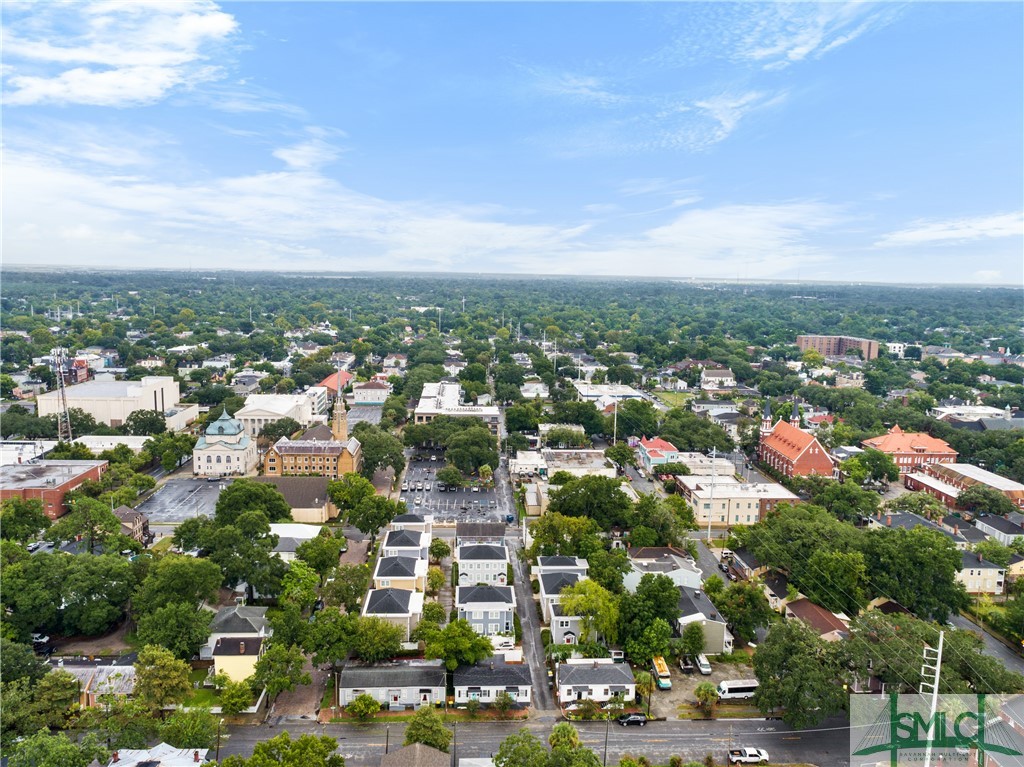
(706, 561)
(665, 703)
(533, 650)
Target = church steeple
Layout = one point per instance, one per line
(766, 417)
(794, 418)
(339, 425)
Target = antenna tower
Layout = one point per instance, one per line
(60, 356)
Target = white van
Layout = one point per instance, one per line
(702, 664)
(737, 689)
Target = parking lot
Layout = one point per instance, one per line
(455, 505)
(181, 499)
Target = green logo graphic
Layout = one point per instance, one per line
(903, 728)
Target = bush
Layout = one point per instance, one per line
(545, 637)
(510, 575)
(535, 586)
(518, 627)
(455, 574)
(675, 761)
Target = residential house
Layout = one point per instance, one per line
(597, 679)
(709, 407)
(656, 452)
(370, 393)
(607, 392)
(829, 626)
(224, 449)
(1000, 528)
(745, 563)
(727, 501)
(331, 458)
(534, 390)
(420, 755)
(716, 379)
(732, 423)
(776, 590)
(409, 573)
(787, 449)
(561, 563)
(395, 365)
(479, 532)
(336, 382)
(979, 576)
(95, 680)
(236, 657)
(1015, 569)
(912, 451)
(291, 535)
(565, 628)
(239, 621)
(307, 496)
(481, 563)
(486, 680)
(908, 521)
(695, 607)
(398, 685)
(134, 524)
(400, 607)
(405, 543)
(48, 481)
(413, 522)
(962, 529)
(488, 609)
(661, 560)
(160, 755)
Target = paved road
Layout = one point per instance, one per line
(706, 561)
(826, 746)
(993, 646)
(533, 650)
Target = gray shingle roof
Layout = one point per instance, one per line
(555, 582)
(403, 539)
(483, 594)
(697, 603)
(492, 673)
(300, 492)
(396, 567)
(556, 561)
(239, 619)
(479, 530)
(482, 551)
(591, 674)
(361, 676)
(388, 602)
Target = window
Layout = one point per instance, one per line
(218, 459)
(385, 583)
(495, 614)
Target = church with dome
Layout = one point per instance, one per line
(224, 450)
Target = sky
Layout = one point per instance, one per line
(817, 141)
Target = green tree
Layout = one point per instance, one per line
(56, 695)
(653, 640)
(797, 673)
(95, 593)
(282, 751)
(595, 497)
(349, 491)
(439, 549)
(122, 722)
(179, 627)
(285, 427)
(556, 533)
(190, 728)
(564, 735)
(144, 423)
(435, 579)
(745, 607)
(450, 475)
(656, 597)
(994, 552)
(17, 661)
(347, 586)
(376, 639)
(176, 579)
(320, 553)
(372, 514)
(299, 584)
(160, 678)
(427, 727)
(621, 453)
(280, 669)
(235, 698)
(597, 608)
(707, 697)
(982, 499)
(46, 750)
(503, 704)
(380, 450)
(457, 644)
(89, 520)
(521, 749)
(244, 495)
(846, 501)
(693, 640)
(331, 636)
(22, 519)
(838, 581)
(363, 707)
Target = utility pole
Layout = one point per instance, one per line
(59, 355)
(931, 668)
(615, 423)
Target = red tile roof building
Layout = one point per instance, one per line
(789, 450)
(336, 382)
(912, 450)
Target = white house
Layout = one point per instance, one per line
(661, 560)
(405, 543)
(488, 679)
(400, 607)
(596, 679)
(370, 393)
(224, 449)
(395, 686)
(482, 563)
(713, 379)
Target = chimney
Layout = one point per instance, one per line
(241, 648)
(195, 757)
(979, 558)
(595, 664)
(956, 529)
(888, 520)
(115, 757)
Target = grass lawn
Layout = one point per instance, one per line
(203, 696)
(163, 545)
(674, 398)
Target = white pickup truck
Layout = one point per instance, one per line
(748, 756)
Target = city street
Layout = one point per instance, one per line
(826, 746)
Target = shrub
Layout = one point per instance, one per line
(545, 637)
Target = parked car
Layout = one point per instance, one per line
(748, 756)
(627, 719)
(40, 639)
(702, 665)
(686, 664)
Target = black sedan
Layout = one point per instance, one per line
(627, 719)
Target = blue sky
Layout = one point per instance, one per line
(831, 141)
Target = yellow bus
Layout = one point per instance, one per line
(659, 669)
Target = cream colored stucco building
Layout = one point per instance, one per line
(111, 402)
(224, 450)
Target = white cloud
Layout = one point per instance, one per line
(311, 153)
(728, 109)
(953, 231)
(110, 53)
(584, 88)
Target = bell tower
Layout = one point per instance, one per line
(339, 425)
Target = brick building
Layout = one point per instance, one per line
(789, 450)
(912, 451)
(838, 346)
(315, 457)
(945, 481)
(49, 481)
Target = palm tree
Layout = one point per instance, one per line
(707, 697)
(645, 686)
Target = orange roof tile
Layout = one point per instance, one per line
(788, 441)
(331, 382)
(657, 444)
(815, 616)
(899, 441)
